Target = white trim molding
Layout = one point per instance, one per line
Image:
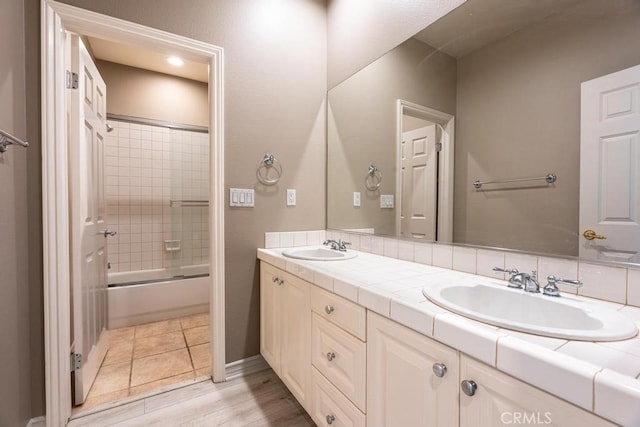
(57, 19)
(37, 422)
(248, 366)
(445, 166)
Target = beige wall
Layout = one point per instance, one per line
(362, 128)
(141, 93)
(18, 318)
(360, 31)
(518, 115)
(275, 86)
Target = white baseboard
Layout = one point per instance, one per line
(247, 366)
(37, 422)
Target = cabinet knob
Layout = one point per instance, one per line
(281, 282)
(275, 279)
(329, 309)
(469, 387)
(330, 356)
(439, 369)
(330, 419)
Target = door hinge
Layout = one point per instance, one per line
(72, 80)
(76, 361)
(438, 146)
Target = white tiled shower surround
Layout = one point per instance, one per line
(605, 282)
(147, 167)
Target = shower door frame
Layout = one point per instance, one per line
(56, 19)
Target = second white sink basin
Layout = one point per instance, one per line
(561, 317)
(319, 253)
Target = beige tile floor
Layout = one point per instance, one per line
(152, 356)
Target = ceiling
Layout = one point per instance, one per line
(477, 23)
(135, 56)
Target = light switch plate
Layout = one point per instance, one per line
(291, 197)
(356, 199)
(386, 201)
(241, 197)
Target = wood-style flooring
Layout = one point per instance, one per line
(258, 399)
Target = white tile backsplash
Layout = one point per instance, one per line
(390, 248)
(487, 260)
(603, 282)
(300, 238)
(443, 256)
(287, 239)
(522, 262)
(406, 250)
(423, 253)
(633, 287)
(465, 259)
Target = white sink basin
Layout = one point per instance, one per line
(558, 317)
(320, 253)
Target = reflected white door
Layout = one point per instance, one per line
(610, 166)
(87, 128)
(418, 171)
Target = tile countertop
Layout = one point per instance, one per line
(603, 378)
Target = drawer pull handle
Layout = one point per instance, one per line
(329, 309)
(439, 369)
(330, 356)
(469, 387)
(330, 419)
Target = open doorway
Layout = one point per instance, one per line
(65, 183)
(424, 185)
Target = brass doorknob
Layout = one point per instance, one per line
(590, 235)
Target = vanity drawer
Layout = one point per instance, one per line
(349, 316)
(328, 404)
(341, 358)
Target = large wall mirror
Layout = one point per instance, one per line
(538, 101)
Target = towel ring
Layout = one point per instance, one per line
(373, 178)
(268, 163)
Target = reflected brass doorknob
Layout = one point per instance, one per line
(590, 235)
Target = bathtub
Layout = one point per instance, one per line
(138, 297)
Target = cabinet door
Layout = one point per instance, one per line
(402, 389)
(503, 400)
(270, 315)
(295, 355)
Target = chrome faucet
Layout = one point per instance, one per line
(337, 245)
(519, 280)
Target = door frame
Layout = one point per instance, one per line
(55, 19)
(445, 164)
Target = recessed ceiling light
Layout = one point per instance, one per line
(175, 61)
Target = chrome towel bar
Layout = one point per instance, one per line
(7, 139)
(550, 178)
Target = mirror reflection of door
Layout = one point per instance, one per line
(610, 167)
(418, 175)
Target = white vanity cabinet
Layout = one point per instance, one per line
(412, 380)
(285, 329)
(339, 360)
(499, 400)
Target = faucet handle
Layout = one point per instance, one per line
(511, 271)
(551, 289)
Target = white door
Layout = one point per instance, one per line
(610, 167)
(418, 173)
(87, 128)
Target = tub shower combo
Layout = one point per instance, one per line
(157, 188)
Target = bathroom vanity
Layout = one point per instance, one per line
(355, 353)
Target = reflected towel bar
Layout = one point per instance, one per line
(187, 203)
(7, 139)
(550, 178)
